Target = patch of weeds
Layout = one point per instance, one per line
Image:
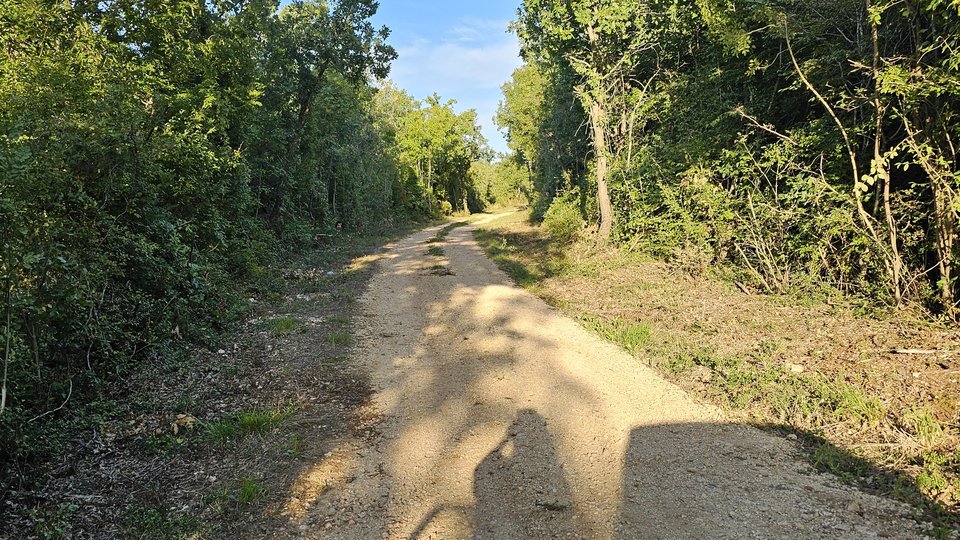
(678, 364)
(852, 405)
(444, 232)
(932, 480)
(220, 500)
(283, 325)
(262, 421)
(436, 251)
(840, 463)
(767, 348)
(236, 497)
(733, 382)
(160, 524)
(297, 446)
(53, 524)
(857, 470)
(165, 443)
(710, 360)
(249, 492)
(925, 426)
(800, 400)
(631, 336)
(246, 423)
(339, 339)
(223, 431)
(634, 336)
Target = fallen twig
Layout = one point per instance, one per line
(922, 351)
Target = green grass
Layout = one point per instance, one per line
(853, 406)
(840, 463)
(436, 251)
(632, 336)
(298, 446)
(283, 325)
(244, 424)
(803, 400)
(237, 496)
(925, 426)
(505, 255)
(339, 339)
(678, 364)
(249, 492)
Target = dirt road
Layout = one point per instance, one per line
(504, 419)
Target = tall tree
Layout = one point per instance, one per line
(602, 41)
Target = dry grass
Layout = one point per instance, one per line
(839, 377)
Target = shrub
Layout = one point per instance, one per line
(563, 219)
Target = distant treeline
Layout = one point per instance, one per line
(813, 145)
(156, 155)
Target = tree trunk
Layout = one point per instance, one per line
(597, 114)
(598, 117)
(944, 219)
(288, 165)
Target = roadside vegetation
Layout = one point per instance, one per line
(684, 159)
(811, 147)
(871, 397)
(217, 436)
(159, 164)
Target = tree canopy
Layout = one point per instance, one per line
(156, 156)
(810, 145)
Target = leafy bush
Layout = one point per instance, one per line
(153, 163)
(563, 219)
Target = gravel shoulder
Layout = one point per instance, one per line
(502, 418)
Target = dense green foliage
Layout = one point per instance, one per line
(436, 147)
(505, 183)
(155, 156)
(811, 144)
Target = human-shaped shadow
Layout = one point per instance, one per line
(520, 487)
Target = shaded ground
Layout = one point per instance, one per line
(504, 419)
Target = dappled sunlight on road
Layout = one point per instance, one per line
(316, 480)
(504, 419)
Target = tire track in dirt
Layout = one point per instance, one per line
(504, 419)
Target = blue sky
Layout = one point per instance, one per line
(460, 50)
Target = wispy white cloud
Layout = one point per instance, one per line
(456, 65)
(473, 29)
(468, 62)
